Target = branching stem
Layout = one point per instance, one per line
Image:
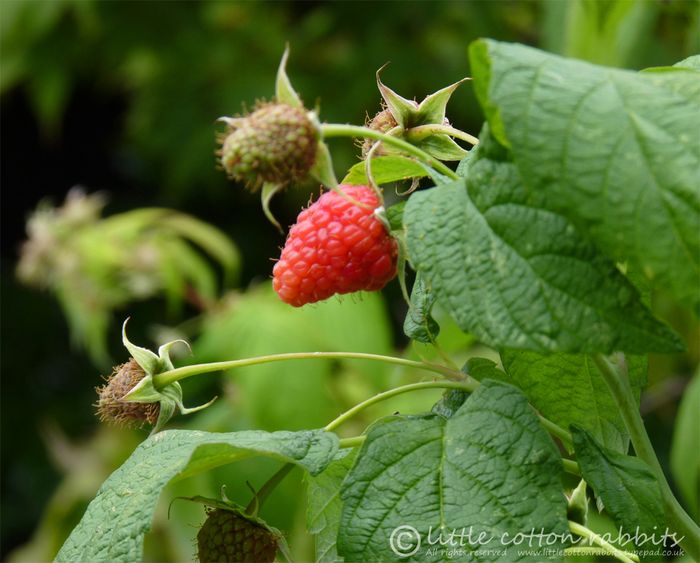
(621, 391)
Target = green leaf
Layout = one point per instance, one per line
(626, 485)
(386, 169)
(685, 454)
(394, 214)
(569, 389)
(419, 324)
(519, 276)
(114, 524)
(489, 468)
(324, 506)
(615, 150)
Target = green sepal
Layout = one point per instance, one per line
(164, 353)
(434, 107)
(266, 194)
(409, 114)
(170, 396)
(149, 362)
(322, 170)
(441, 147)
(578, 504)
(402, 109)
(284, 91)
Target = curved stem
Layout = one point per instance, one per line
(557, 431)
(267, 488)
(160, 380)
(621, 391)
(594, 538)
(467, 385)
(340, 130)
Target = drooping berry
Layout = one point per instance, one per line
(335, 247)
(276, 143)
(111, 407)
(230, 537)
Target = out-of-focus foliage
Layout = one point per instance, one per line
(96, 265)
(173, 68)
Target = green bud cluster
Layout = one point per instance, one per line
(277, 143)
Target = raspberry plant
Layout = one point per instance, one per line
(581, 195)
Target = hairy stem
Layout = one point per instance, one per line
(468, 385)
(621, 391)
(160, 380)
(594, 538)
(340, 130)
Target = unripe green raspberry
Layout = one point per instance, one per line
(276, 143)
(111, 407)
(230, 537)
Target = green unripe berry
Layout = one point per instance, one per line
(276, 143)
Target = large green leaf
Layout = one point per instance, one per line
(627, 487)
(488, 468)
(324, 506)
(569, 389)
(115, 522)
(617, 151)
(685, 453)
(517, 275)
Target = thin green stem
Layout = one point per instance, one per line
(468, 385)
(160, 380)
(570, 466)
(352, 442)
(557, 431)
(341, 130)
(255, 505)
(621, 391)
(594, 538)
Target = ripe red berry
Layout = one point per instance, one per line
(335, 246)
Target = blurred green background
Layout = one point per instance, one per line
(122, 98)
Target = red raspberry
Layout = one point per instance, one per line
(335, 247)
